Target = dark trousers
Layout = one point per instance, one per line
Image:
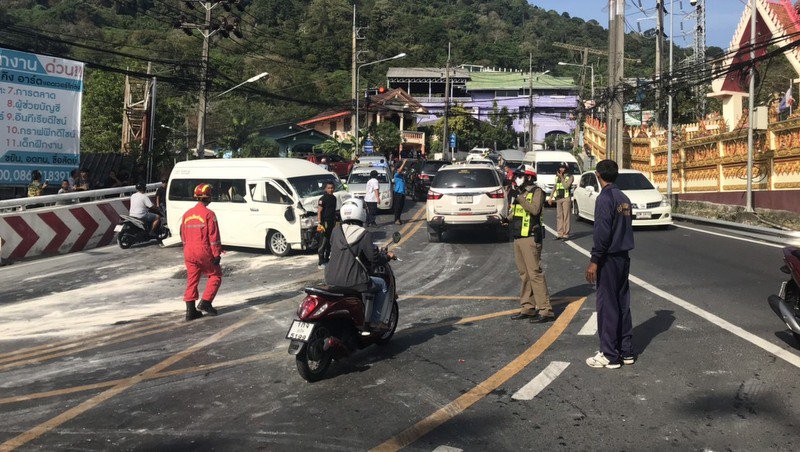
(614, 324)
(398, 203)
(372, 212)
(324, 249)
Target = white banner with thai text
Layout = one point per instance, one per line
(40, 116)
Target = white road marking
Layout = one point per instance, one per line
(539, 382)
(447, 449)
(590, 327)
(758, 242)
(785, 355)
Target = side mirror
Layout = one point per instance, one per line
(396, 237)
(289, 214)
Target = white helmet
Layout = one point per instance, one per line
(353, 210)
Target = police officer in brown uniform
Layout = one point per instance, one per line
(528, 232)
(563, 200)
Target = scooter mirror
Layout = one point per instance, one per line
(396, 237)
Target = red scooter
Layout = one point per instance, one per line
(787, 303)
(331, 324)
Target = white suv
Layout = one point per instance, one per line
(465, 196)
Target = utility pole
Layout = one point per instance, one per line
(354, 88)
(659, 54)
(208, 29)
(201, 110)
(445, 137)
(751, 106)
(669, 98)
(579, 118)
(152, 121)
(616, 51)
(530, 101)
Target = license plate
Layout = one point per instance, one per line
(300, 331)
(644, 215)
(464, 199)
(118, 228)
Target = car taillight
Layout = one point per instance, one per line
(424, 176)
(307, 307)
(434, 196)
(497, 194)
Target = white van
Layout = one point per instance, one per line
(259, 202)
(546, 163)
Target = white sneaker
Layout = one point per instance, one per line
(628, 360)
(599, 361)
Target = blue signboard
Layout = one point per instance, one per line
(40, 114)
(452, 141)
(368, 146)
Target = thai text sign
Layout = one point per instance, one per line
(40, 116)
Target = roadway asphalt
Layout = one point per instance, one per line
(94, 354)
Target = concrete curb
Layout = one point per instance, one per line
(768, 234)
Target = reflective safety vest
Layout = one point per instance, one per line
(525, 219)
(561, 191)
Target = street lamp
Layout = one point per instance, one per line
(561, 63)
(201, 124)
(358, 75)
(182, 133)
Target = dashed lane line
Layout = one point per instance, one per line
(119, 388)
(767, 346)
(590, 327)
(457, 406)
(539, 382)
(743, 239)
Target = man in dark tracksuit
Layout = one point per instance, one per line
(610, 267)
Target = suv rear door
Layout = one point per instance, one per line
(468, 191)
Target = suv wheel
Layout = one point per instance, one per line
(434, 236)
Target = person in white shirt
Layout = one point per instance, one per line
(372, 198)
(143, 209)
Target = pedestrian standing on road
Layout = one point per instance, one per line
(202, 250)
(372, 197)
(36, 187)
(563, 200)
(609, 268)
(399, 193)
(528, 231)
(326, 220)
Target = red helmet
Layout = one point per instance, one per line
(530, 172)
(203, 191)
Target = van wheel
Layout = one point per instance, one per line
(277, 244)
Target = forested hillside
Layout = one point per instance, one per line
(303, 44)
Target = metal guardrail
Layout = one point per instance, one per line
(65, 199)
(771, 234)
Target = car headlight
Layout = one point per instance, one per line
(308, 222)
(386, 194)
(664, 201)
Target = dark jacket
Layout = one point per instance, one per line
(613, 224)
(343, 270)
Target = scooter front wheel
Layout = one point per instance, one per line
(313, 360)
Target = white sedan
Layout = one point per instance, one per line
(649, 206)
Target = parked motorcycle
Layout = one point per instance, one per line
(132, 231)
(331, 323)
(787, 304)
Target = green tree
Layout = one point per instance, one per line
(101, 119)
(385, 137)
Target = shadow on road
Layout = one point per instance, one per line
(645, 332)
(583, 290)
(580, 235)
(788, 338)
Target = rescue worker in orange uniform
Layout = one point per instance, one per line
(201, 253)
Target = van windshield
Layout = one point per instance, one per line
(307, 186)
(551, 168)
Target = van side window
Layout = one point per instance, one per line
(274, 196)
(231, 190)
(182, 189)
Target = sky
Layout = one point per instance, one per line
(722, 16)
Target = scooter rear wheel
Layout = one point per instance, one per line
(313, 361)
(125, 240)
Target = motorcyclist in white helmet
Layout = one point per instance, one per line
(353, 255)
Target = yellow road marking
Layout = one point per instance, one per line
(170, 373)
(457, 297)
(83, 343)
(46, 348)
(456, 407)
(95, 344)
(120, 387)
(407, 236)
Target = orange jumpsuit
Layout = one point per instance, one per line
(201, 245)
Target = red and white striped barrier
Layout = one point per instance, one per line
(60, 229)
